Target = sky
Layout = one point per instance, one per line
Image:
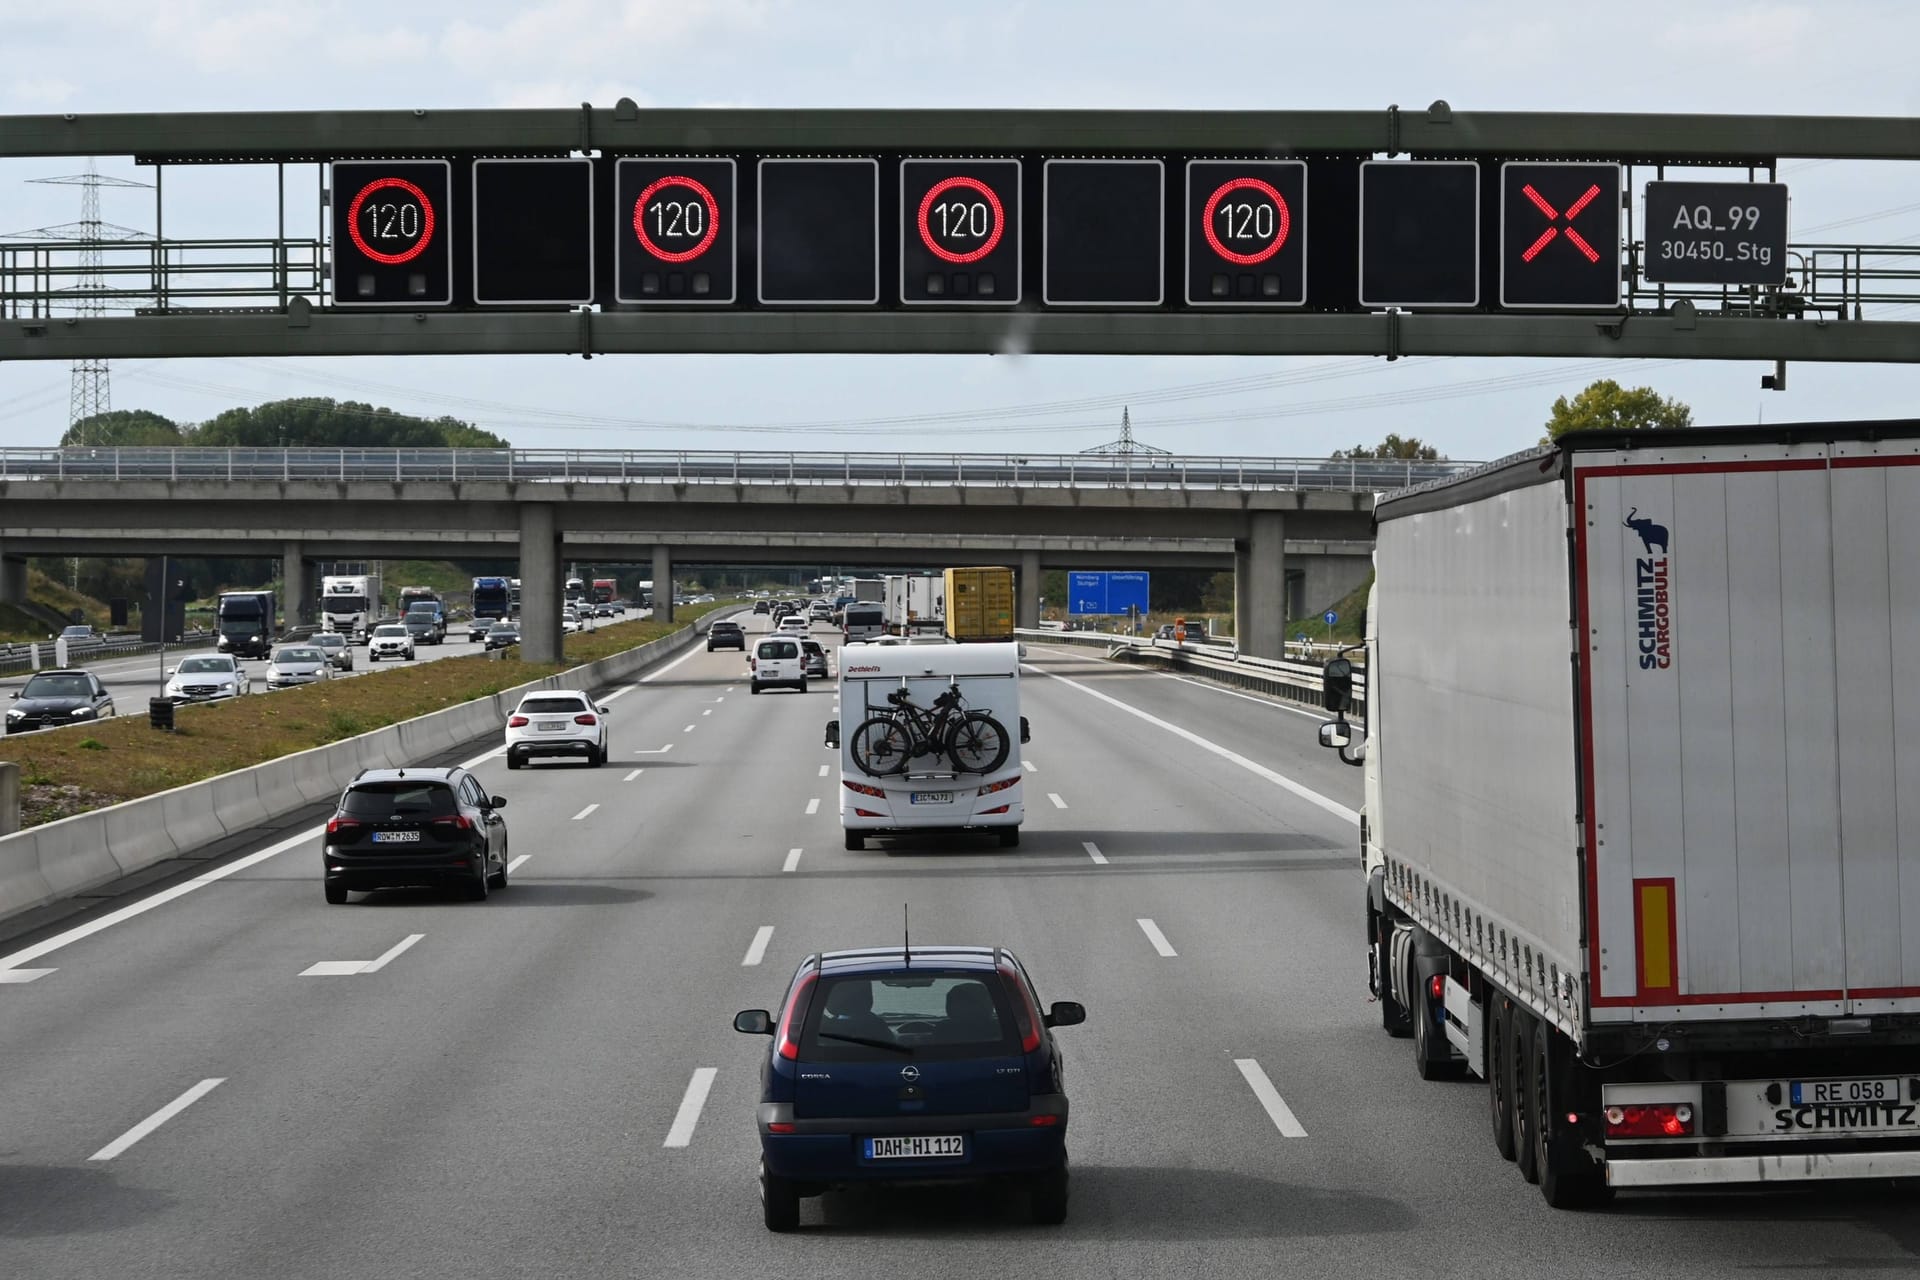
(1836, 57)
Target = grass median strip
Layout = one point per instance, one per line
(65, 772)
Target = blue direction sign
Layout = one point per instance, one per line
(1332, 617)
(1106, 593)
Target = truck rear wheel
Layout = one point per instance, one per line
(1519, 1054)
(1393, 1018)
(1499, 1074)
(1569, 1179)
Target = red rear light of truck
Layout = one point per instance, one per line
(1650, 1120)
(861, 788)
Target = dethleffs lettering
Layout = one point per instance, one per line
(1656, 630)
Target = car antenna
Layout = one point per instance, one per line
(906, 939)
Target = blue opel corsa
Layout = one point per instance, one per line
(932, 1064)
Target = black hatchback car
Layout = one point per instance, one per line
(397, 827)
(726, 635)
(934, 1065)
(54, 698)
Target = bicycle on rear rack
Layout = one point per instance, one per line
(887, 744)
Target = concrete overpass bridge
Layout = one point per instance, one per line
(544, 506)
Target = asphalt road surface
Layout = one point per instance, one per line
(503, 1088)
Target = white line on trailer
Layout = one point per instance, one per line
(1277, 1109)
(1058, 803)
(158, 1118)
(518, 862)
(681, 1134)
(584, 812)
(630, 777)
(1093, 851)
(793, 861)
(1157, 938)
(757, 949)
(813, 806)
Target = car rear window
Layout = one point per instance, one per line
(57, 687)
(206, 666)
(778, 649)
(904, 1016)
(378, 801)
(551, 705)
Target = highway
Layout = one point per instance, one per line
(514, 1088)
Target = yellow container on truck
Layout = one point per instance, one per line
(980, 603)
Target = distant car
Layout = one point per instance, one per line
(605, 610)
(929, 1066)
(477, 629)
(338, 649)
(415, 826)
(207, 678)
(557, 722)
(53, 698)
(815, 657)
(424, 627)
(293, 664)
(1166, 632)
(571, 621)
(777, 663)
(502, 634)
(820, 611)
(726, 635)
(760, 606)
(81, 633)
(793, 624)
(390, 640)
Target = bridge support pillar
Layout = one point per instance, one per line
(1260, 593)
(13, 580)
(1026, 609)
(663, 584)
(540, 583)
(296, 584)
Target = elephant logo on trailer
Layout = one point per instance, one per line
(1651, 535)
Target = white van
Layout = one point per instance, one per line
(929, 739)
(862, 621)
(777, 662)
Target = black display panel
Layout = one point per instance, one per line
(1103, 239)
(1716, 233)
(533, 232)
(392, 233)
(819, 239)
(676, 230)
(1559, 234)
(960, 232)
(1246, 233)
(1419, 233)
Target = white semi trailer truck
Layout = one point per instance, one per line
(1642, 817)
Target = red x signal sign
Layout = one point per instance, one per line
(1580, 203)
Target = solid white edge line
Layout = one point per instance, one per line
(1245, 697)
(630, 777)
(1277, 1109)
(757, 949)
(158, 1118)
(1157, 938)
(793, 861)
(621, 692)
(1058, 803)
(1254, 767)
(684, 1120)
(813, 806)
(517, 863)
(391, 953)
(145, 905)
(660, 671)
(483, 757)
(584, 812)
(1093, 851)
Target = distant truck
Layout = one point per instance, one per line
(914, 602)
(576, 590)
(873, 590)
(246, 624)
(1637, 842)
(350, 604)
(979, 603)
(410, 596)
(602, 590)
(492, 597)
(513, 597)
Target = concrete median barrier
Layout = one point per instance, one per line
(71, 856)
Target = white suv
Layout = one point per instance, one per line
(777, 661)
(557, 722)
(793, 624)
(390, 640)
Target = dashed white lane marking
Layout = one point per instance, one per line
(158, 1118)
(655, 751)
(793, 861)
(630, 777)
(1157, 938)
(348, 968)
(1028, 766)
(707, 712)
(1280, 780)
(757, 949)
(688, 1117)
(22, 975)
(12, 963)
(517, 863)
(1093, 851)
(688, 729)
(813, 806)
(823, 771)
(584, 812)
(1277, 1109)
(1058, 803)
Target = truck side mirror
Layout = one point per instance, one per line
(833, 733)
(1336, 685)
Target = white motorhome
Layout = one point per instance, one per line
(929, 739)
(350, 604)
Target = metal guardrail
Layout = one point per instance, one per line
(1297, 681)
(18, 657)
(1068, 470)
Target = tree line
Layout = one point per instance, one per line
(304, 422)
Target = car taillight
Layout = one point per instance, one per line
(1043, 1122)
(1650, 1120)
(1003, 808)
(518, 722)
(861, 788)
(1001, 785)
(584, 718)
(796, 1008)
(782, 1126)
(1024, 1013)
(342, 826)
(459, 822)
(867, 813)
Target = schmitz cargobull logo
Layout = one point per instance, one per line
(1652, 593)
